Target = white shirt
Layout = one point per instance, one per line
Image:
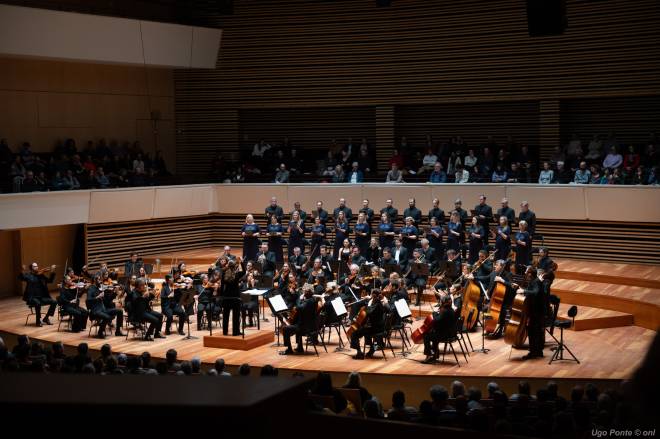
(429, 159)
(396, 254)
(354, 176)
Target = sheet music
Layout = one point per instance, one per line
(256, 291)
(338, 306)
(277, 302)
(402, 308)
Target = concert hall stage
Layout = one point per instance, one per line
(616, 323)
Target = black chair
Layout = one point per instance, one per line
(464, 332)
(402, 328)
(382, 336)
(64, 317)
(558, 355)
(250, 307)
(460, 324)
(30, 314)
(139, 328)
(449, 340)
(313, 336)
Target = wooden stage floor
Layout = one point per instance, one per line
(620, 306)
(611, 353)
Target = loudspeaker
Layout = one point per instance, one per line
(546, 17)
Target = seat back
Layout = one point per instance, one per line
(324, 401)
(353, 396)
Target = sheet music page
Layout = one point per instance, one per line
(277, 302)
(338, 306)
(402, 308)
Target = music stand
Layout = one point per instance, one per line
(278, 306)
(340, 310)
(403, 311)
(419, 269)
(391, 268)
(188, 298)
(485, 315)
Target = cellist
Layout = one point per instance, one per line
(374, 324)
(444, 323)
(499, 274)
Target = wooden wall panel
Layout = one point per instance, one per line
(630, 119)
(472, 121)
(302, 53)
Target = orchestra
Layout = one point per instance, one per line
(373, 272)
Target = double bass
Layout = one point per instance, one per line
(515, 333)
(471, 297)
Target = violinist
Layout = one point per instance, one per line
(305, 321)
(444, 325)
(144, 313)
(373, 253)
(36, 291)
(267, 260)
(316, 277)
(523, 247)
(281, 277)
(169, 305)
(249, 281)
(331, 293)
(207, 293)
(69, 300)
(290, 291)
(129, 297)
(97, 310)
(482, 273)
(374, 280)
(537, 291)
(374, 324)
(350, 282)
(132, 266)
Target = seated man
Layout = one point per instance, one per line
(144, 313)
(374, 324)
(98, 311)
(444, 325)
(305, 320)
(169, 305)
(36, 291)
(69, 300)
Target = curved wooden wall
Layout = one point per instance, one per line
(319, 54)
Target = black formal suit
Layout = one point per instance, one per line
(69, 302)
(268, 263)
(36, 293)
(438, 214)
(132, 268)
(368, 212)
(403, 257)
(430, 258)
(277, 211)
(444, 326)
(98, 311)
(322, 214)
(547, 265)
(348, 213)
(415, 213)
(507, 212)
(142, 312)
(375, 324)
(373, 254)
(205, 305)
(537, 293)
(169, 305)
(231, 303)
(327, 267)
(306, 321)
(297, 261)
(358, 260)
(530, 218)
(392, 213)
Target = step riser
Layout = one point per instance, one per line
(616, 280)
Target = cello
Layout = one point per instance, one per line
(358, 321)
(495, 307)
(471, 297)
(426, 326)
(516, 330)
